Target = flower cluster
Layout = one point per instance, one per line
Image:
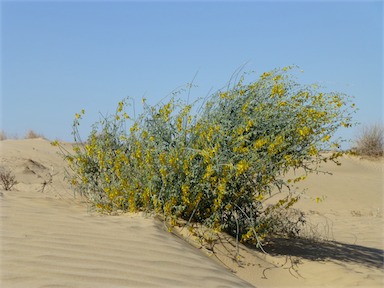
(214, 168)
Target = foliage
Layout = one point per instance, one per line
(370, 141)
(32, 135)
(3, 136)
(216, 167)
(7, 179)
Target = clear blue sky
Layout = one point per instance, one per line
(59, 58)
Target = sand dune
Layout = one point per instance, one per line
(51, 239)
(55, 243)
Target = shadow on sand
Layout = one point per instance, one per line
(326, 250)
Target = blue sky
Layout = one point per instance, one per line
(60, 57)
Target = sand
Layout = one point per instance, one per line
(51, 239)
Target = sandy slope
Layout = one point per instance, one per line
(349, 217)
(50, 239)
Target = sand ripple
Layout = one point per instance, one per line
(55, 243)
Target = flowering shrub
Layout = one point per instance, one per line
(217, 167)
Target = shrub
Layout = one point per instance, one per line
(32, 135)
(7, 179)
(370, 140)
(216, 167)
(3, 136)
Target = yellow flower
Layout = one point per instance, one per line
(313, 150)
(279, 139)
(70, 159)
(304, 131)
(165, 111)
(185, 193)
(277, 78)
(162, 158)
(173, 161)
(249, 126)
(179, 124)
(208, 171)
(242, 167)
(259, 143)
(163, 172)
(298, 179)
(133, 128)
(245, 107)
(278, 89)
(223, 95)
(185, 188)
(326, 138)
(120, 106)
(265, 75)
(288, 158)
(259, 197)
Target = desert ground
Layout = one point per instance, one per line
(52, 238)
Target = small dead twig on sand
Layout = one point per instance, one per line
(49, 181)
